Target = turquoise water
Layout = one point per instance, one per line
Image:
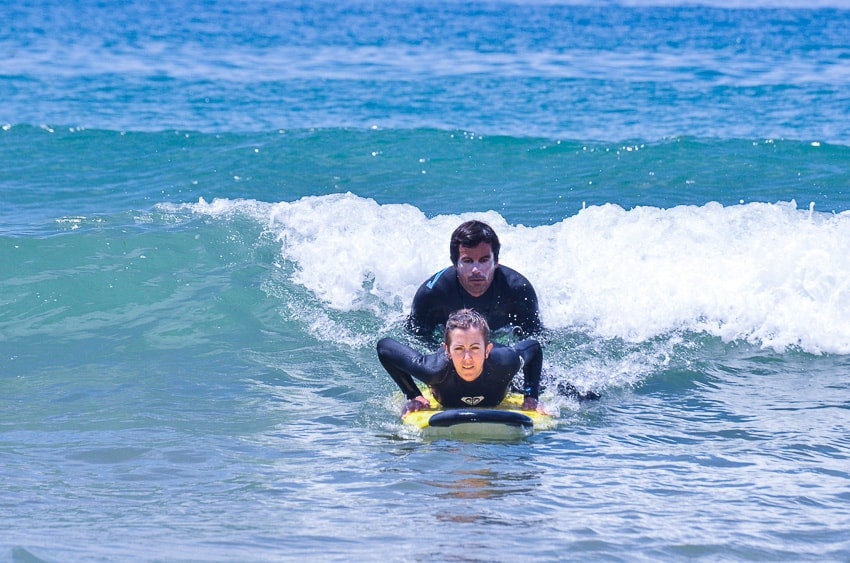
(211, 211)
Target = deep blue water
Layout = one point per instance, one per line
(210, 212)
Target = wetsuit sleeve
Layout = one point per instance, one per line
(420, 323)
(517, 304)
(431, 306)
(527, 310)
(532, 368)
(403, 363)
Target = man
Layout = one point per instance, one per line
(476, 280)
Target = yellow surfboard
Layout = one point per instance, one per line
(508, 421)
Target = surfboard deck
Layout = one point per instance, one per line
(505, 422)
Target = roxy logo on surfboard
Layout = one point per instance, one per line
(472, 401)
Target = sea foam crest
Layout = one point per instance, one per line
(766, 273)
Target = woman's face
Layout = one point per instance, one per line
(467, 351)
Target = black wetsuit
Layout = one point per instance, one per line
(510, 301)
(437, 371)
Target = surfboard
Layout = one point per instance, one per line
(505, 422)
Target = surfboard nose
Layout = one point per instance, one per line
(452, 417)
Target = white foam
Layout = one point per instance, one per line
(770, 274)
(766, 273)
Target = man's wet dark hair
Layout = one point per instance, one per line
(470, 235)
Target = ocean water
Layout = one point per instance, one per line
(210, 211)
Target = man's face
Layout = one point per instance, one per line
(475, 268)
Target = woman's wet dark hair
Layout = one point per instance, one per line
(470, 235)
(465, 319)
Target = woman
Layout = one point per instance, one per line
(468, 371)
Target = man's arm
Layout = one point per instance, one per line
(429, 308)
(532, 366)
(528, 317)
(419, 322)
(520, 301)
